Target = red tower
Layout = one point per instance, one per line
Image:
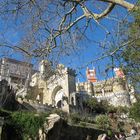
(91, 75)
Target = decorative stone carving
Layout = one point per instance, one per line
(47, 85)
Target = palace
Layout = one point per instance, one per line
(58, 88)
(15, 72)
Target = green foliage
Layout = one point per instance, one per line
(81, 120)
(120, 126)
(138, 97)
(135, 111)
(4, 113)
(122, 109)
(83, 124)
(92, 102)
(131, 53)
(61, 113)
(127, 42)
(28, 122)
(97, 107)
(104, 106)
(111, 109)
(75, 118)
(110, 133)
(103, 121)
(88, 119)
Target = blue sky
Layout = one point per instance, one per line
(90, 50)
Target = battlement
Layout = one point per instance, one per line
(55, 87)
(67, 70)
(110, 85)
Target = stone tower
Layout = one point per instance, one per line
(45, 68)
(58, 87)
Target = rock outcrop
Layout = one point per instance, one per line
(58, 129)
(7, 96)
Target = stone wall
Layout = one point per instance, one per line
(63, 131)
(108, 86)
(14, 71)
(113, 90)
(62, 82)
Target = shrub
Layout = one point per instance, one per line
(110, 133)
(122, 109)
(135, 111)
(103, 121)
(75, 118)
(83, 124)
(111, 109)
(28, 122)
(97, 107)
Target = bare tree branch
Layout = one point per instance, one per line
(47, 21)
(122, 3)
(16, 48)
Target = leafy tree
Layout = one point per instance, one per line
(127, 48)
(131, 53)
(135, 111)
(105, 105)
(98, 107)
(92, 102)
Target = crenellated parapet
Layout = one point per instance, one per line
(114, 90)
(57, 87)
(66, 70)
(107, 86)
(81, 87)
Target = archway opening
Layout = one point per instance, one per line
(59, 104)
(59, 98)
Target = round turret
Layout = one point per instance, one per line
(119, 85)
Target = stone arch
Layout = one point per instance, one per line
(59, 103)
(57, 96)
